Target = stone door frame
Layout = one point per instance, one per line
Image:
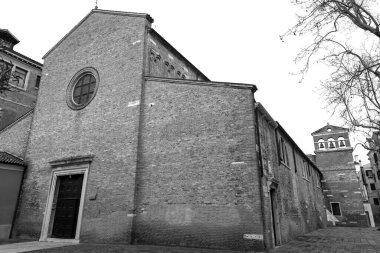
(64, 171)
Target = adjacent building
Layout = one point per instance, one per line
(22, 98)
(371, 176)
(343, 195)
(137, 145)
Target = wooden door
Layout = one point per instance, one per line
(275, 222)
(66, 212)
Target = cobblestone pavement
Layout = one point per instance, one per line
(335, 240)
(329, 240)
(44, 247)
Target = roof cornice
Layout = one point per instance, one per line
(22, 58)
(245, 86)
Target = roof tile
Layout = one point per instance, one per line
(5, 157)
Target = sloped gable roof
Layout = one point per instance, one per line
(122, 13)
(328, 126)
(21, 117)
(9, 36)
(8, 158)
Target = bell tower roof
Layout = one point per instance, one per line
(328, 129)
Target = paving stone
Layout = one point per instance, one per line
(335, 240)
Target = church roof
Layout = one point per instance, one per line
(333, 128)
(8, 36)
(5, 157)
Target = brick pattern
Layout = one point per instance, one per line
(341, 183)
(197, 178)
(175, 162)
(106, 128)
(299, 201)
(14, 139)
(164, 62)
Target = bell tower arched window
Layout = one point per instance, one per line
(331, 143)
(341, 142)
(321, 144)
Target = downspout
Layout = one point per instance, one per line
(261, 174)
(139, 139)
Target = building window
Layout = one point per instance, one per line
(38, 80)
(369, 173)
(318, 181)
(305, 170)
(335, 208)
(82, 88)
(378, 174)
(375, 157)
(331, 143)
(284, 152)
(321, 144)
(373, 187)
(376, 201)
(20, 77)
(341, 142)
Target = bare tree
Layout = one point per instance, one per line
(345, 35)
(6, 76)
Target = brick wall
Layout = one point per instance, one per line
(106, 128)
(341, 185)
(14, 139)
(164, 61)
(298, 199)
(197, 177)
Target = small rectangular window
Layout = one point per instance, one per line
(369, 173)
(373, 187)
(376, 201)
(38, 80)
(20, 77)
(335, 208)
(284, 152)
(306, 171)
(318, 181)
(378, 174)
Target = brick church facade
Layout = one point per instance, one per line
(130, 143)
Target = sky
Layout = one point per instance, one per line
(231, 41)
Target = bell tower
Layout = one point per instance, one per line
(332, 146)
(333, 156)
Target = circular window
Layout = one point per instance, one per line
(82, 88)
